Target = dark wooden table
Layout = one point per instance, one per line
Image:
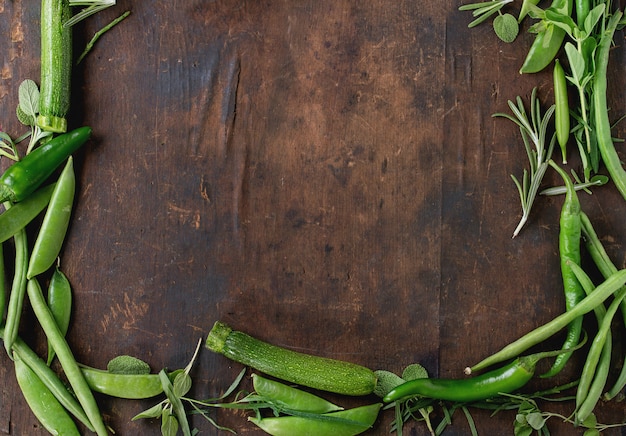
(325, 175)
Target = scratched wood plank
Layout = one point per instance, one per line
(324, 175)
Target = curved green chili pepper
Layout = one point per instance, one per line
(42, 402)
(343, 423)
(569, 250)
(547, 43)
(18, 215)
(60, 304)
(55, 223)
(22, 178)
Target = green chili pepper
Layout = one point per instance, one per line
(24, 177)
(583, 8)
(290, 398)
(60, 304)
(600, 110)
(561, 112)
(547, 43)
(130, 386)
(56, 65)
(18, 215)
(64, 354)
(569, 251)
(343, 423)
(589, 303)
(44, 405)
(55, 223)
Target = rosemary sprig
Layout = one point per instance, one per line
(533, 132)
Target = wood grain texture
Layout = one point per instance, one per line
(324, 175)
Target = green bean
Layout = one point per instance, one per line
(50, 379)
(3, 287)
(582, 10)
(569, 252)
(130, 386)
(18, 291)
(42, 402)
(534, 337)
(55, 223)
(65, 356)
(18, 215)
(60, 304)
(600, 110)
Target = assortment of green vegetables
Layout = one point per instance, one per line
(582, 30)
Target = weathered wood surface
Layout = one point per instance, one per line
(325, 175)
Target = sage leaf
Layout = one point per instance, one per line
(506, 27)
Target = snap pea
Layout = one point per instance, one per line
(55, 223)
(22, 178)
(343, 423)
(583, 8)
(290, 398)
(129, 386)
(18, 215)
(569, 252)
(18, 291)
(65, 356)
(561, 112)
(60, 304)
(534, 337)
(547, 43)
(3, 287)
(50, 379)
(44, 405)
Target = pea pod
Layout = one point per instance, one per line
(42, 402)
(343, 423)
(583, 8)
(129, 386)
(3, 287)
(18, 215)
(289, 398)
(22, 178)
(55, 223)
(18, 291)
(60, 304)
(561, 111)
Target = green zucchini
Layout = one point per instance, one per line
(307, 370)
(56, 65)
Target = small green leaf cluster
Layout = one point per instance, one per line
(505, 26)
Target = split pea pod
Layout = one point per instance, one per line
(55, 223)
(569, 252)
(561, 111)
(603, 291)
(44, 405)
(290, 398)
(343, 423)
(66, 358)
(60, 304)
(18, 215)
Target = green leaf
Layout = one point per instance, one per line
(28, 94)
(576, 63)
(152, 412)
(536, 420)
(23, 117)
(127, 365)
(182, 384)
(169, 424)
(387, 380)
(506, 27)
(593, 17)
(414, 371)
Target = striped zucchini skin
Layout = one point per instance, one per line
(56, 65)
(304, 369)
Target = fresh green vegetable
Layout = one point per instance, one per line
(44, 405)
(22, 178)
(589, 303)
(130, 386)
(312, 371)
(569, 252)
(17, 216)
(561, 112)
(525, 9)
(55, 223)
(582, 11)
(18, 291)
(60, 304)
(56, 65)
(343, 423)
(600, 110)
(289, 398)
(65, 356)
